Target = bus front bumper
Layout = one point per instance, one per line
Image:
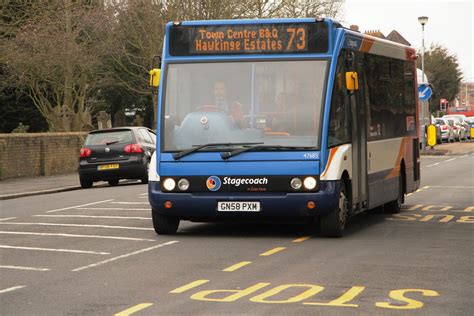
(203, 206)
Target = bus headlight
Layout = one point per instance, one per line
(183, 184)
(309, 183)
(169, 184)
(296, 183)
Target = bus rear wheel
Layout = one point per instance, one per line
(334, 223)
(164, 225)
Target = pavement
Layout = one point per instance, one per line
(21, 187)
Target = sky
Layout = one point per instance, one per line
(450, 23)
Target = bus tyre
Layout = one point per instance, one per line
(85, 183)
(395, 206)
(333, 223)
(164, 225)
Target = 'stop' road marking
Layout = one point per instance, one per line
(272, 251)
(134, 309)
(12, 289)
(71, 207)
(125, 256)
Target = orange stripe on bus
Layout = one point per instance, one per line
(366, 44)
(396, 169)
(332, 152)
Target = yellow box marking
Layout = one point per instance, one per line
(400, 296)
(272, 251)
(311, 290)
(434, 208)
(189, 286)
(345, 298)
(301, 239)
(237, 266)
(134, 309)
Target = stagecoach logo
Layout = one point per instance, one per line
(213, 183)
(107, 149)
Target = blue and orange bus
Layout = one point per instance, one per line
(281, 119)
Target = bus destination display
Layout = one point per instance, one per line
(292, 38)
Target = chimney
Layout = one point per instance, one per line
(354, 27)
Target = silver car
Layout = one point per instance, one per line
(458, 128)
(447, 133)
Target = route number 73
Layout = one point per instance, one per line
(297, 38)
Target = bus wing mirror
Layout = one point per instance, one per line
(352, 82)
(155, 75)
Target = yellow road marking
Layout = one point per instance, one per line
(441, 208)
(134, 309)
(469, 209)
(272, 251)
(415, 207)
(189, 286)
(301, 239)
(237, 266)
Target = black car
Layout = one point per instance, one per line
(116, 153)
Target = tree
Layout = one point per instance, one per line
(442, 70)
(56, 55)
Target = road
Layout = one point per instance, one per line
(95, 252)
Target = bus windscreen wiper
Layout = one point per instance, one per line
(195, 148)
(227, 155)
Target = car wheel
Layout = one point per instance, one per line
(85, 183)
(164, 225)
(395, 206)
(144, 179)
(113, 183)
(334, 223)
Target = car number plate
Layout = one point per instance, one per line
(108, 167)
(238, 206)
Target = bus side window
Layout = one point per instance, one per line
(339, 114)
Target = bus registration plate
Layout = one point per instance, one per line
(238, 206)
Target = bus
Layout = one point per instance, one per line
(281, 120)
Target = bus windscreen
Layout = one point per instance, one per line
(288, 38)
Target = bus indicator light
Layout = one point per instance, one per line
(168, 204)
(310, 205)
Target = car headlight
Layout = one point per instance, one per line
(296, 183)
(183, 184)
(309, 183)
(169, 184)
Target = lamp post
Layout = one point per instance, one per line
(423, 20)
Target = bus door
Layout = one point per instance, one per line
(359, 133)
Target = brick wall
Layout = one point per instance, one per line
(39, 154)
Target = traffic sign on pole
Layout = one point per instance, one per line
(424, 92)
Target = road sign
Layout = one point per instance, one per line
(424, 92)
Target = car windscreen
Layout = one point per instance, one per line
(106, 138)
(440, 122)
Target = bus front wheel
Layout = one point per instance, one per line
(164, 225)
(333, 223)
